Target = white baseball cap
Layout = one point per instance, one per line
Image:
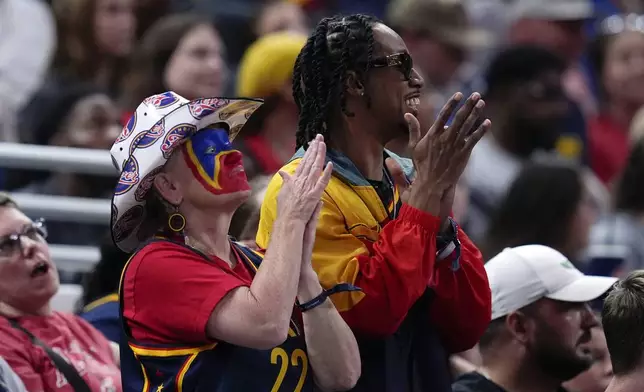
(521, 276)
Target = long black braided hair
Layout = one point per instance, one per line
(337, 45)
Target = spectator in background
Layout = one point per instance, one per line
(558, 26)
(23, 24)
(181, 53)
(81, 117)
(624, 330)
(541, 322)
(95, 37)
(440, 38)
(595, 379)
(278, 15)
(528, 106)
(100, 301)
(266, 71)
(548, 204)
(617, 58)
(28, 281)
(599, 375)
(617, 240)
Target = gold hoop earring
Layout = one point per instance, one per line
(176, 222)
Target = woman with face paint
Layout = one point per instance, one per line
(201, 312)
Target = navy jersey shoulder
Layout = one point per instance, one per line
(104, 315)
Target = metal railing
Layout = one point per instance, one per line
(62, 208)
(65, 159)
(75, 258)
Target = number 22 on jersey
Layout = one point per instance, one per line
(298, 358)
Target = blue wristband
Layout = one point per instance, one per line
(319, 300)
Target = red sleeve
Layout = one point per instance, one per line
(395, 273)
(169, 293)
(462, 306)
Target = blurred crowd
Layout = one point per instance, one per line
(563, 82)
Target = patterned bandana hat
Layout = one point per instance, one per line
(160, 124)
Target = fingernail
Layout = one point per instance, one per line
(480, 104)
(458, 96)
(475, 96)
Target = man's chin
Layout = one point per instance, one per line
(563, 365)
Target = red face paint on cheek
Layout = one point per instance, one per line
(232, 176)
(219, 173)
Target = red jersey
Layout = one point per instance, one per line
(609, 147)
(69, 336)
(169, 292)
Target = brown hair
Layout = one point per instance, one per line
(623, 321)
(152, 55)
(77, 53)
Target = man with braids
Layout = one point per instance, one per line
(424, 292)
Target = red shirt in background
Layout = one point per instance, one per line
(169, 292)
(261, 152)
(71, 337)
(125, 117)
(609, 147)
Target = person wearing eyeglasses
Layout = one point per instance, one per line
(31, 333)
(424, 292)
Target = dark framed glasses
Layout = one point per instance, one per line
(401, 61)
(11, 245)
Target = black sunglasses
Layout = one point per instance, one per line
(401, 61)
(11, 244)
